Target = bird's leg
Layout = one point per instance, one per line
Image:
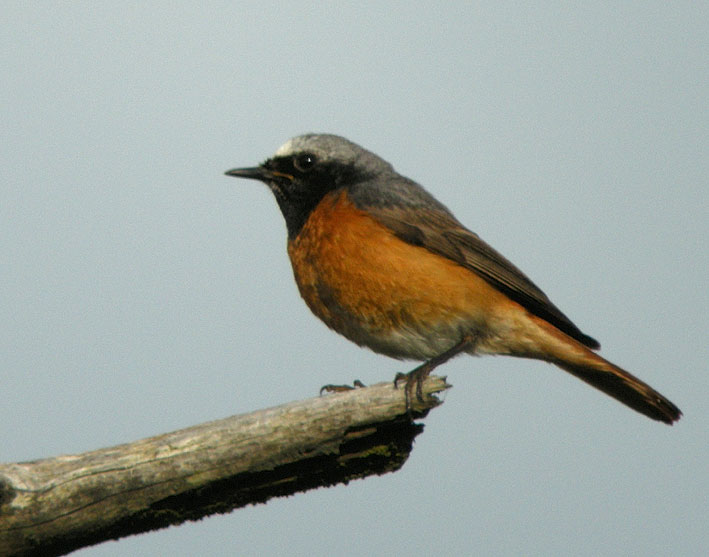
(417, 376)
(357, 384)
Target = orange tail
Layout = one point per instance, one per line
(572, 356)
(624, 387)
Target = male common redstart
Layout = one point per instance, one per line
(385, 264)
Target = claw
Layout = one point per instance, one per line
(414, 379)
(418, 375)
(357, 384)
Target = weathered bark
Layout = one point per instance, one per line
(56, 505)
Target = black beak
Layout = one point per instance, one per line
(253, 173)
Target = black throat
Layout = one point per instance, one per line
(298, 193)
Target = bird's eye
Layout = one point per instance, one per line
(304, 162)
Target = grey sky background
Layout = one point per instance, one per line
(142, 291)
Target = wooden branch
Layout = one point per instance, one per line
(56, 505)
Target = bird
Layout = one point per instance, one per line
(385, 264)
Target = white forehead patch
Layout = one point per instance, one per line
(285, 149)
(331, 148)
(322, 144)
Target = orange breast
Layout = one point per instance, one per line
(381, 292)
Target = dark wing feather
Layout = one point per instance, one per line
(439, 232)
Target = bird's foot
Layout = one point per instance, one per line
(416, 377)
(414, 381)
(357, 384)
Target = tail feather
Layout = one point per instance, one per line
(570, 355)
(624, 387)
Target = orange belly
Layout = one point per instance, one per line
(381, 292)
